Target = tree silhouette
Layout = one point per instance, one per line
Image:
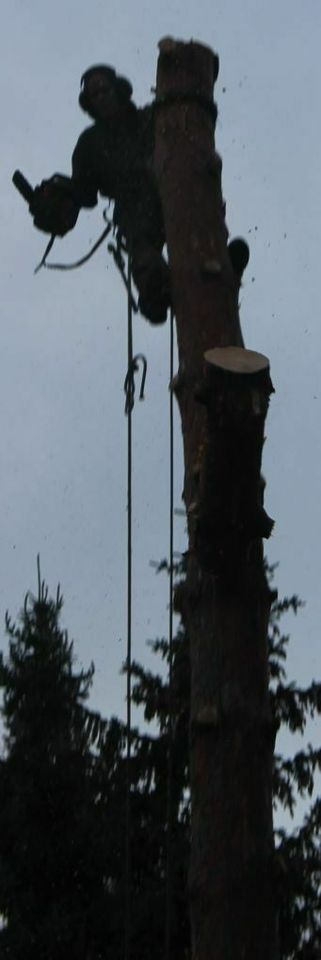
(53, 864)
(62, 802)
(298, 854)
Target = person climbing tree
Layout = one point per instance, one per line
(114, 158)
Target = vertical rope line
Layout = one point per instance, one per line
(169, 817)
(129, 629)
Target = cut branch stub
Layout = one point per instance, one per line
(228, 510)
(236, 369)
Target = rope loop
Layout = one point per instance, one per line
(129, 382)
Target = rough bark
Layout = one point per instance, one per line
(223, 399)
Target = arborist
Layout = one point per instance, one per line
(114, 157)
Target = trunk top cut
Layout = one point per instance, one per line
(237, 360)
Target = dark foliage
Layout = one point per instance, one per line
(298, 854)
(150, 776)
(62, 808)
(62, 803)
(55, 860)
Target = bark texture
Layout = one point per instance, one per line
(223, 400)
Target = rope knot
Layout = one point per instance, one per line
(129, 382)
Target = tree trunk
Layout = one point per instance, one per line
(223, 392)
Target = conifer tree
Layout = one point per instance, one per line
(52, 869)
(62, 802)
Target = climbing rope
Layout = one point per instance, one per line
(169, 811)
(129, 410)
(129, 388)
(77, 263)
(46, 254)
(117, 250)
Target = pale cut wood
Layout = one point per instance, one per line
(237, 360)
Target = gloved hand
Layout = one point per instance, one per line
(53, 206)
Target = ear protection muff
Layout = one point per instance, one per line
(122, 86)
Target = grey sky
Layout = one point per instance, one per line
(63, 337)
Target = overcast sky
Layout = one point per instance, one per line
(63, 336)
